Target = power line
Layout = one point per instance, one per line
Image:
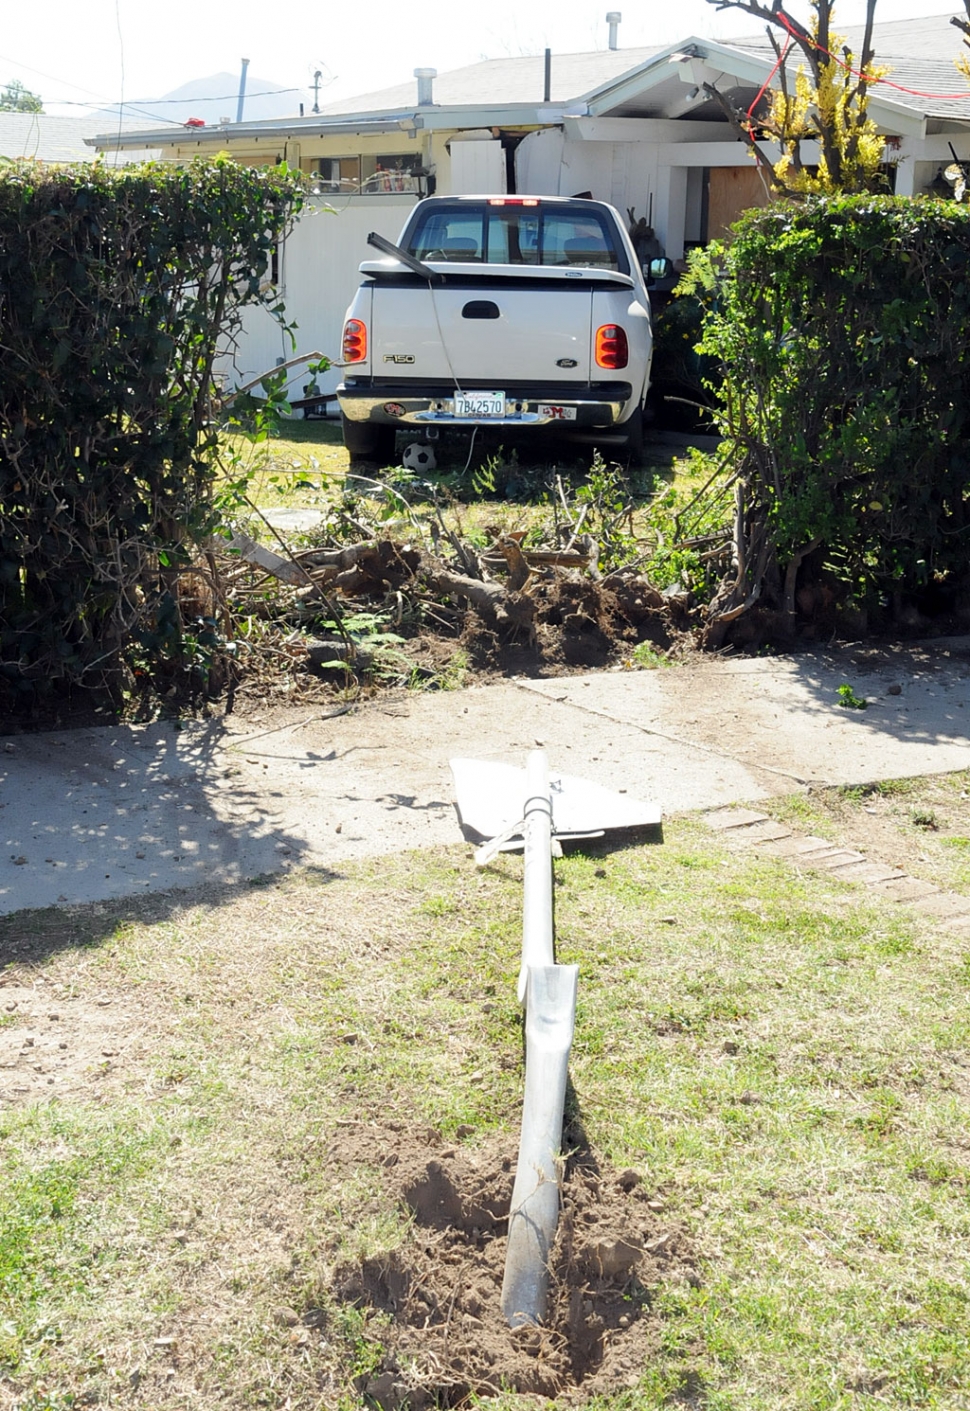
(42, 74)
(196, 98)
(136, 105)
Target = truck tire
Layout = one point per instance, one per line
(368, 442)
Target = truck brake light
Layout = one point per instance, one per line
(612, 348)
(355, 341)
(513, 201)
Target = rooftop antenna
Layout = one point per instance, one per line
(613, 19)
(242, 90)
(317, 75)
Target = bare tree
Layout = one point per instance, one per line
(827, 103)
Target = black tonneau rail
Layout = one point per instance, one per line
(487, 280)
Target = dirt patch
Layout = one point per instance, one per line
(579, 625)
(433, 1306)
(58, 1043)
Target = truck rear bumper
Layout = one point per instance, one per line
(571, 407)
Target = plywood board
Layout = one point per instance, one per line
(731, 190)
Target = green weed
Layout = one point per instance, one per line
(849, 699)
(646, 657)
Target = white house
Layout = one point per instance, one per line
(630, 126)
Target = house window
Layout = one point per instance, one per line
(396, 172)
(337, 174)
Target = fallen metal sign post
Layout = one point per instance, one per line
(550, 1017)
(530, 810)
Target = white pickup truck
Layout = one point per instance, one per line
(526, 312)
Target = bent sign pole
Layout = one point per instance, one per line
(548, 992)
(534, 1214)
(488, 795)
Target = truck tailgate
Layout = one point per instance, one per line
(514, 323)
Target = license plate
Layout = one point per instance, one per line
(556, 413)
(479, 404)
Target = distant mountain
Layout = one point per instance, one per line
(214, 98)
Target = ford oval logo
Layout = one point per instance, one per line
(566, 362)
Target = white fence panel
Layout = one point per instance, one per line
(319, 271)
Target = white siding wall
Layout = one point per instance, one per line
(538, 163)
(319, 274)
(477, 168)
(623, 173)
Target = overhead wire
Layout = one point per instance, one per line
(138, 106)
(778, 63)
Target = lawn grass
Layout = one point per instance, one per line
(306, 467)
(782, 1058)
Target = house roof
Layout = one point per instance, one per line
(931, 38)
(518, 80)
(920, 55)
(47, 137)
(646, 82)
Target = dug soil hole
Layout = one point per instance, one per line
(433, 1306)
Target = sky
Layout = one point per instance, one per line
(97, 52)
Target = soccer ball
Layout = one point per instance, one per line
(418, 456)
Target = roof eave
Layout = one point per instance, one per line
(443, 116)
(662, 66)
(738, 64)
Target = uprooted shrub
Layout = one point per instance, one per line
(840, 325)
(116, 290)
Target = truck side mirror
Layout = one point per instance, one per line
(659, 269)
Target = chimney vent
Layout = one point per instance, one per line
(425, 79)
(613, 19)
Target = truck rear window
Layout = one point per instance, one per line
(515, 235)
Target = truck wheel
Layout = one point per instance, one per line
(368, 442)
(632, 430)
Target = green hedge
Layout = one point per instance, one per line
(116, 287)
(841, 326)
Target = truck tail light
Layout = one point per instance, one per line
(355, 341)
(612, 348)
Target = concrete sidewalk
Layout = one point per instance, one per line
(103, 813)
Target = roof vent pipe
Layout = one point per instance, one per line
(613, 19)
(425, 79)
(242, 90)
(547, 78)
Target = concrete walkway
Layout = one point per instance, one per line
(103, 813)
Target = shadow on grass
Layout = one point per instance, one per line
(31, 938)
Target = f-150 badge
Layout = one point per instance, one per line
(399, 357)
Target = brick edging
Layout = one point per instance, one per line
(766, 835)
